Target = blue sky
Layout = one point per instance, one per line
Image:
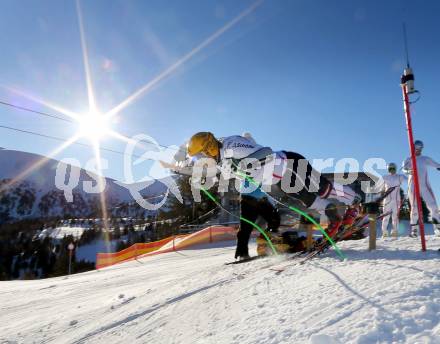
(317, 77)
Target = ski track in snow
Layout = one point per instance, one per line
(391, 295)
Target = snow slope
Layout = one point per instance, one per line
(391, 295)
(35, 194)
(13, 163)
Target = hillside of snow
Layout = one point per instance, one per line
(13, 163)
(35, 194)
(391, 295)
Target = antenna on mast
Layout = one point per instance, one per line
(407, 78)
(405, 43)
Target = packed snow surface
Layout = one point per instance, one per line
(391, 295)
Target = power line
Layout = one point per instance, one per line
(36, 112)
(63, 140)
(62, 119)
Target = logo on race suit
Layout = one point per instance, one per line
(241, 145)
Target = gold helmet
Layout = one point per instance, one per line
(205, 143)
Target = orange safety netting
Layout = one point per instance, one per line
(173, 243)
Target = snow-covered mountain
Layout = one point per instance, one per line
(35, 194)
(391, 295)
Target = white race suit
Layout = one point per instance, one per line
(275, 168)
(392, 203)
(423, 162)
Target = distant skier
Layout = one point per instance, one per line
(392, 202)
(423, 162)
(317, 193)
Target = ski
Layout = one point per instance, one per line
(360, 224)
(243, 260)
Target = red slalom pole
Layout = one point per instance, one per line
(406, 106)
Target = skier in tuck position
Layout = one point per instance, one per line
(280, 170)
(423, 162)
(392, 203)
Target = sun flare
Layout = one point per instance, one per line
(93, 126)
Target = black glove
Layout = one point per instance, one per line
(438, 168)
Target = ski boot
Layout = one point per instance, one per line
(263, 249)
(385, 235)
(241, 251)
(244, 257)
(335, 220)
(394, 234)
(350, 216)
(348, 221)
(333, 228)
(295, 242)
(285, 242)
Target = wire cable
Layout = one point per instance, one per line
(36, 112)
(42, 113)
(63, 140)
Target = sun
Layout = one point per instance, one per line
(93, 126)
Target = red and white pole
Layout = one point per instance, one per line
(415, 174)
